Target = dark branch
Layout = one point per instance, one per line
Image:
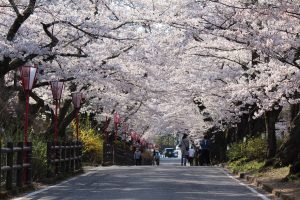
(20, 20)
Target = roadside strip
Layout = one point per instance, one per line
(239, 182)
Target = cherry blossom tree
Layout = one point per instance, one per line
(165, 66)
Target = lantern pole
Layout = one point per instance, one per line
(116, 131)
(56, 88)
(77, 98)
(116, 121)
(26, 117)
(77, 124)
(105, 131)
(28, 78)
(56, 122)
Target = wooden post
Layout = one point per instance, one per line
(29, 161)
(72, 157)
(63, 157)
(20, 162)
(56, 157)
(0, 157)
(10, 163)
(59, 154)
(49, 155)
(76, 156)
(113, 154)
(80, 154)
(68, 144)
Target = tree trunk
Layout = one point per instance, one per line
(229, 134)
(270, 120)
(242, 128)
(64, 120)
(65, 123)
(289, 152)
(220, 146)
(257, 126)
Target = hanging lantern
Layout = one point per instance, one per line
(56, 88)
(28, 77)
(116, 118)
(76, 99)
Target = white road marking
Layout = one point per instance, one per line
(53, 186)
(249, 188)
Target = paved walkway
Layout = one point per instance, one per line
(165, 182)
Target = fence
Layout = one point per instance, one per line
(123, 155)
(16, 165)
(64, 157)
(120, 155)
(108, 154)
(117, 154)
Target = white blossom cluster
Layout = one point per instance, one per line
(149, 60)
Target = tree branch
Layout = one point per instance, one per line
(13, 4)
(20, 20)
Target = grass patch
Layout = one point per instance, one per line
(249, 167)
(295, 178)
(271, 172)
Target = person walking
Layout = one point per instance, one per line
(137, 157)
(197, 156)
(156, 157)
(191, 155)
(205, 149)
(184, 146)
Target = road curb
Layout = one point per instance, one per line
(260, 184)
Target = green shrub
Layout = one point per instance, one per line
(248, 156)
(39, 158)
(236, 151)
(93, 146)
(242, 165)
(256, 149)
(252, 149)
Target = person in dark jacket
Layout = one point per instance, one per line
(205, 145)
(156, 156)
(138, 157)
(184, 146)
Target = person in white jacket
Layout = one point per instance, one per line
(191, 155)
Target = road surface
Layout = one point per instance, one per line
(169, 181)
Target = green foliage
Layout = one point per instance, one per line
(92, 141)
(14, 134)
(252, 149)
(242, 165)
(39, 158)
(248, 156)
(123, 145)
(93, 146)
(236, 151)
(165, 141)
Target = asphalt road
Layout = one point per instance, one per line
(169, 181)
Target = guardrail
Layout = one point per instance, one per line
(16, 165)
(64, 157)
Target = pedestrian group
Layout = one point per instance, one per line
(199, 156)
